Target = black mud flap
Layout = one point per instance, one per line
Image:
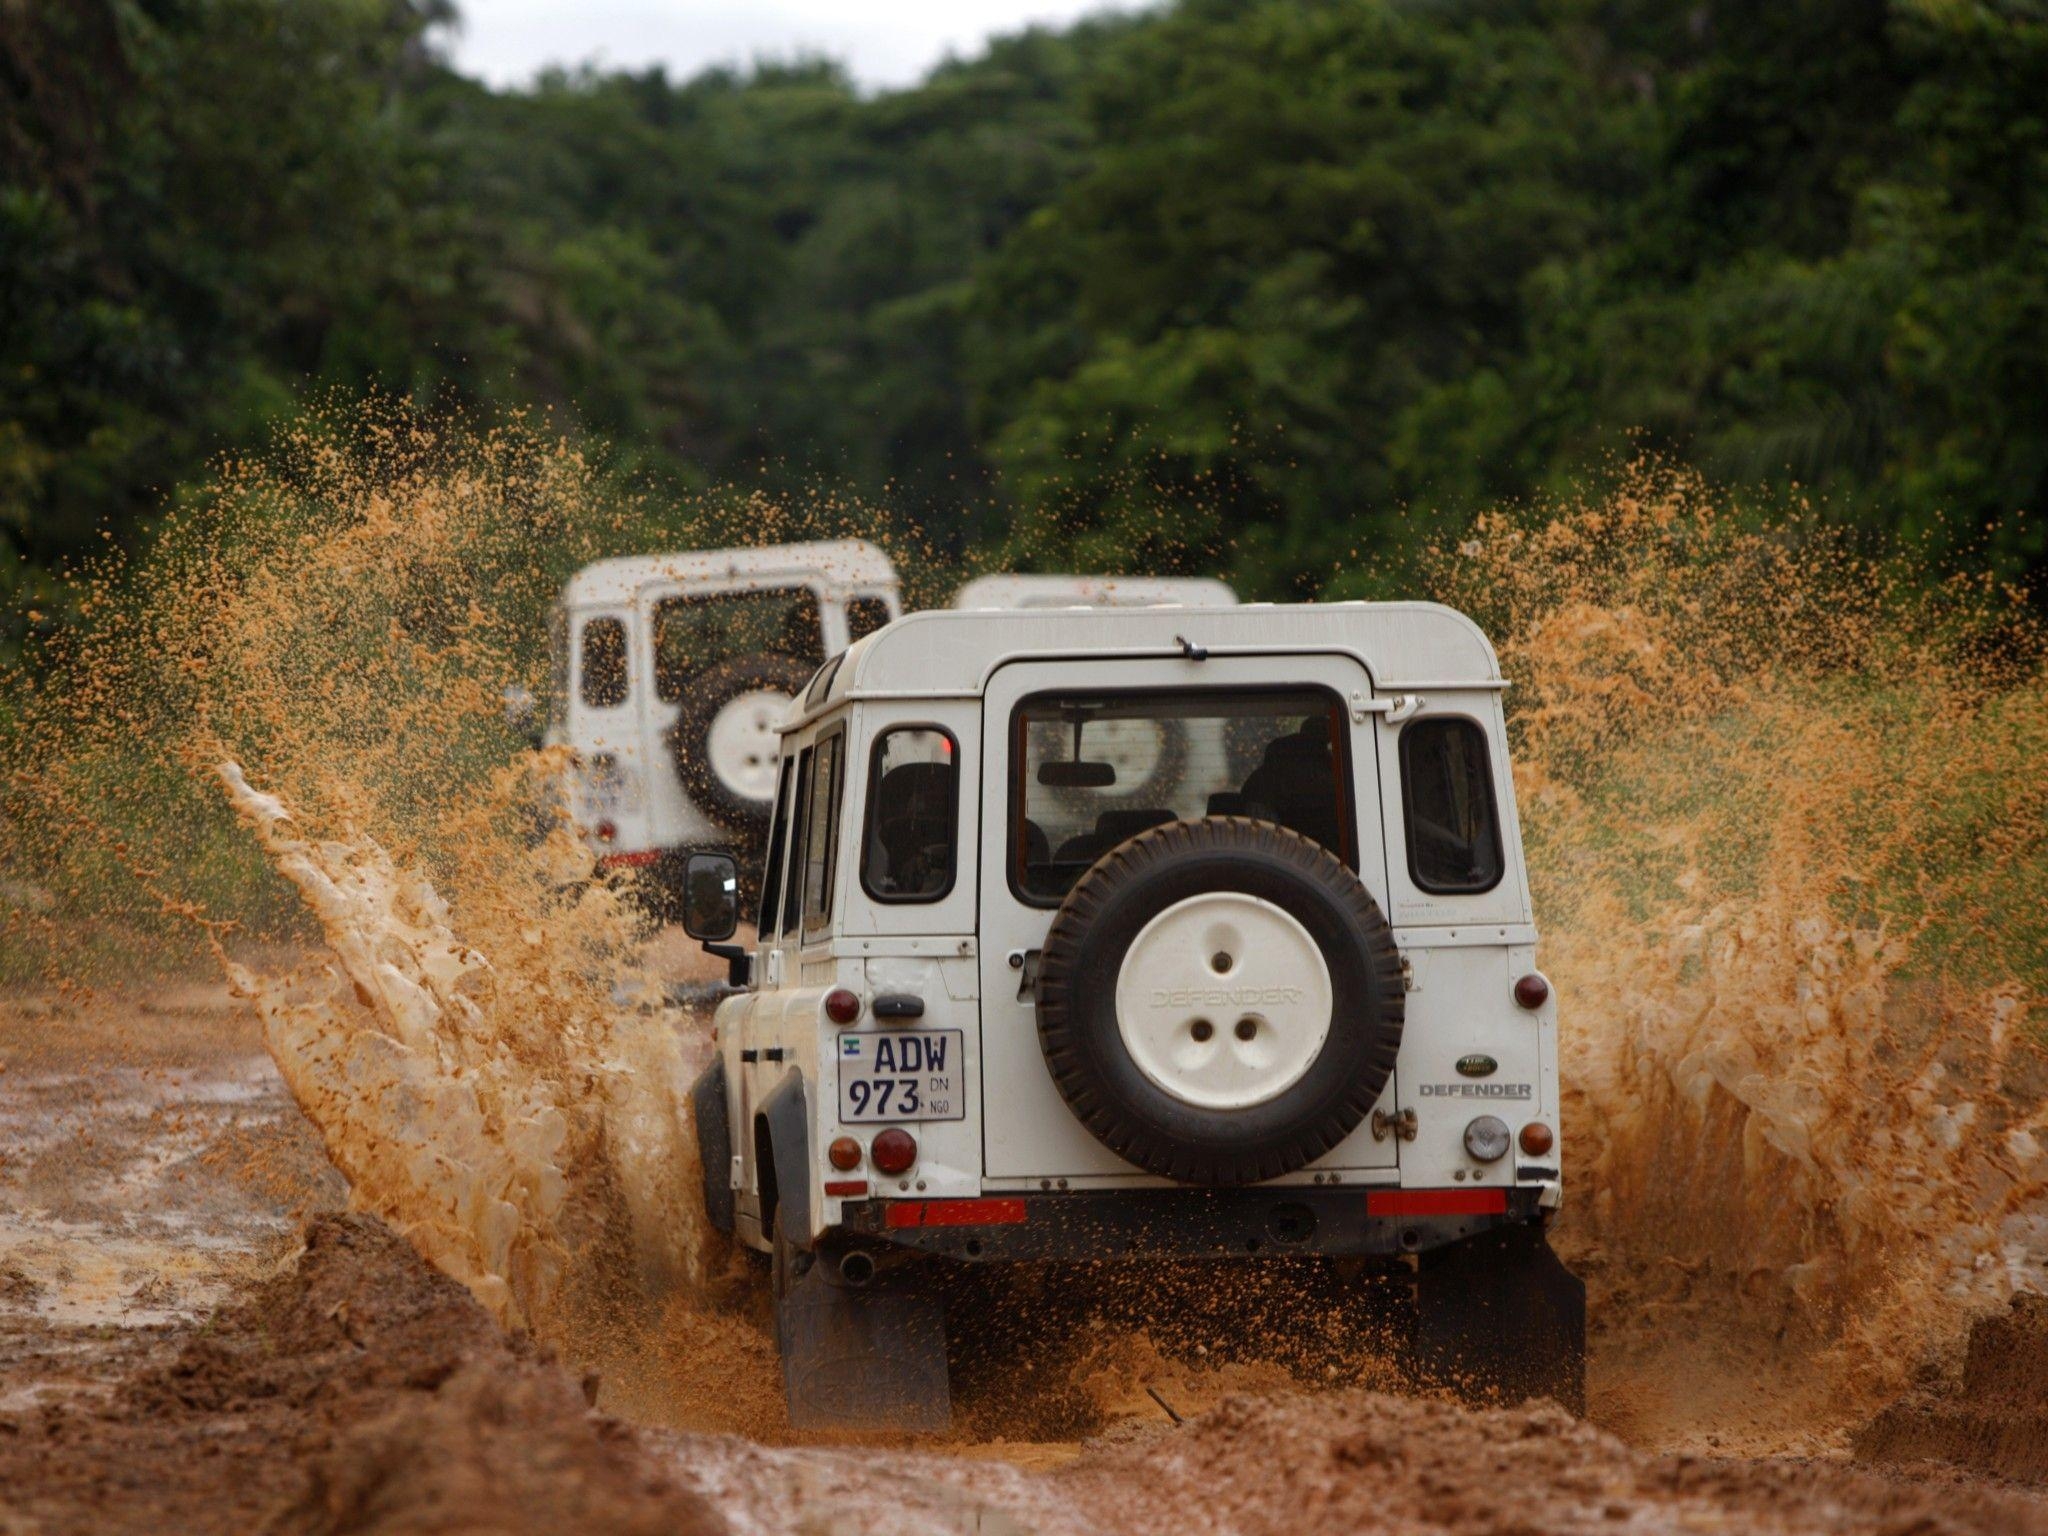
(868, 1358)
(1498, 1317)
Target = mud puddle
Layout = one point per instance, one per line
(356, 1389)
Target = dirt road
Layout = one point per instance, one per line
(179, 1350)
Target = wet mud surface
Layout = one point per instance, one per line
(194, 1337)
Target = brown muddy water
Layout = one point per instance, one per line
(348, 1184)
(198, 1338)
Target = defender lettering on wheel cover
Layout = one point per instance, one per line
(1171, 1030)
(1208, 1091)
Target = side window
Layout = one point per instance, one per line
(1447, 792)
(865, 615)
(604, 664)
(913, 811)
(821, 837)
(771, 878)
(799, 821)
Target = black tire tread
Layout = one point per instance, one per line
(707, 693)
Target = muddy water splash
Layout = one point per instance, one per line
(1785, 821)
(315, 654)
(1789, 836)
(453, 1094)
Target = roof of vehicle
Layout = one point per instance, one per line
(1041, 591)
(851, 563)
(951, 652)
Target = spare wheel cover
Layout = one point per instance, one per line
(1251, 1023)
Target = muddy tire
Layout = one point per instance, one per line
(1220, 1001)
(725, 742)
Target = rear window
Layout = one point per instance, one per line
(604, 664)
(913, 808)
(1447, 796)
(1092, 770)
(700, 630)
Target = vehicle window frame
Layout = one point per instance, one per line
(800, 821)
(1016, 841)
(867, 829)
(767, 923)
(1401, 752)
(583, 632)
(835, 739)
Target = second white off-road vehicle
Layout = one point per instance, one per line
(671, 675)
(1138, 933)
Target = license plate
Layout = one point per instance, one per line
(903, 1074)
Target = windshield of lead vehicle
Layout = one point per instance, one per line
(1090, 770)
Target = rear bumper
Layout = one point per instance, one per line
(1190, 1223)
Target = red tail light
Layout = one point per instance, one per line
(606, 831)
(893, 1151)
(1536, 1138)
(1532, 991)
(842, 1006)
(844, 1153)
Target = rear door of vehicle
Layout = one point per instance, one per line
(1030, 1137)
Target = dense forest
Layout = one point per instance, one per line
(1236, 285)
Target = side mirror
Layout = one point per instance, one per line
(711, 896)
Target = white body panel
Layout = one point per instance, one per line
(965, 672)
(1028, 591)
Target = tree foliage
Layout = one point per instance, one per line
(1257, 286)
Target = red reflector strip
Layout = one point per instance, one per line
(839, 1189)
(954, 1213)
(629, 860)
(1436, 1202)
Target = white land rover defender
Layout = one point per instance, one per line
(671, 675)
(1276, 993)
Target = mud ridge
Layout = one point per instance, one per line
(1994, 1420)
(357, 1391)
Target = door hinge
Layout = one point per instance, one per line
(1395, 707)
(1401, 1124)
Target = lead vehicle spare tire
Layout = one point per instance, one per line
(725, 739)
(1220, 1001)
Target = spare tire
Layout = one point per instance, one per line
(726, 738)
(1220, 1001)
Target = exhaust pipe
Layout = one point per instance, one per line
(856, 1268)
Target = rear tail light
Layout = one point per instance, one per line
(893, 1151)
(842, 1006)
(1536, 1138)
(606, 831)
(844, 1153)
(1532, 991)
